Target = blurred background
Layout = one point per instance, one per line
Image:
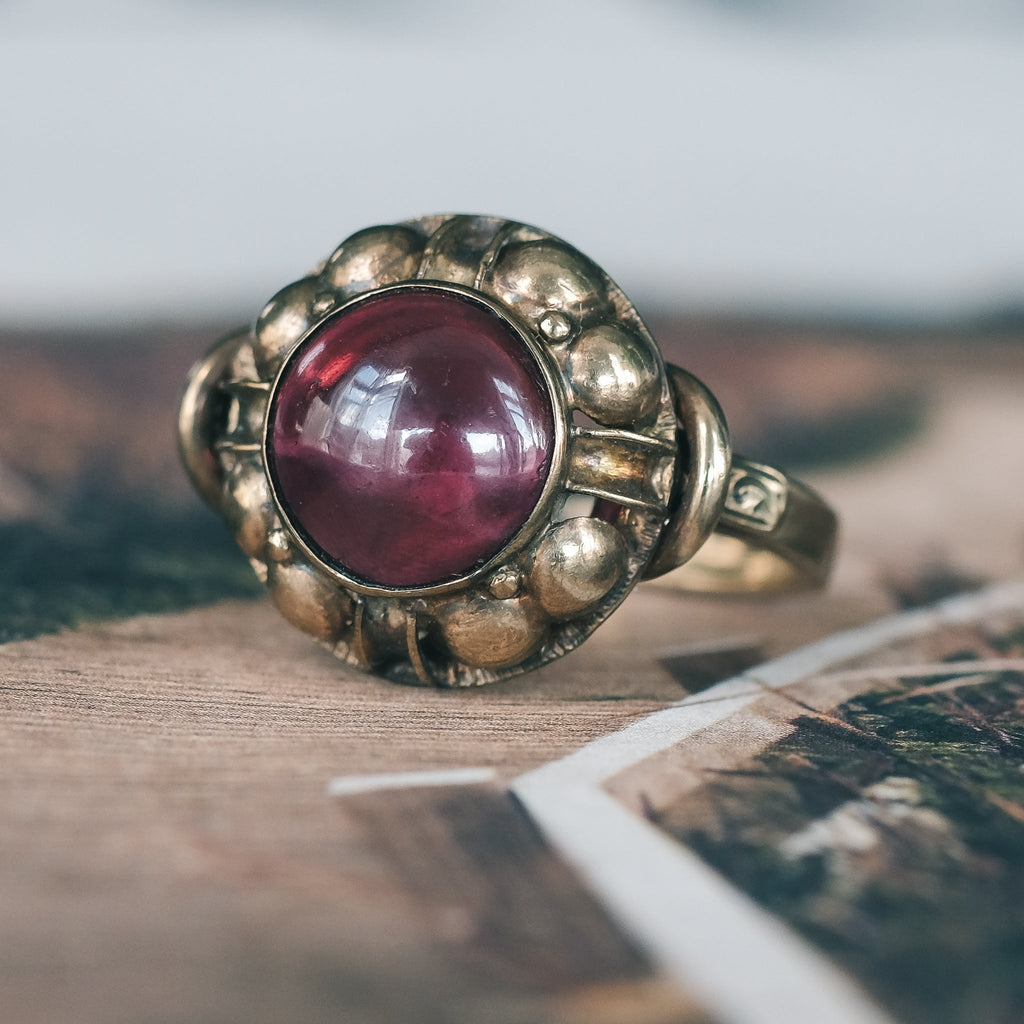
(181, 159)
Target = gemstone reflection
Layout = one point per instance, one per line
(411, 437)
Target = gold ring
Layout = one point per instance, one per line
(453, 448)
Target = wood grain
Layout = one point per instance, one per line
(169, 851)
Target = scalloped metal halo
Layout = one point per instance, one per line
(633, 446)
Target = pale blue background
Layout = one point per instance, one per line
(184, 159)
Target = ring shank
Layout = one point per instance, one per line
(775, 534)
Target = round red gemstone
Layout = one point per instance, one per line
(410, 437)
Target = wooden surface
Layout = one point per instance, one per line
(171, 849)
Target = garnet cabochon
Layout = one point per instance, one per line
(410, 437)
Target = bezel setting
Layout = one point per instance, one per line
(554, 481)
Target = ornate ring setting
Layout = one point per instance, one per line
(453, 448)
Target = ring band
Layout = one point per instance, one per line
(775, 535)
(453, 449)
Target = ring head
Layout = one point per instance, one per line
(450, 451)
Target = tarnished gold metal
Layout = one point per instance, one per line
(774, 535)
(643, 482)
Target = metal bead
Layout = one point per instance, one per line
(576, 564)
(323, 303)
(555, 326)
(284, 320)
(374, 257)
(251, 534)
(249, 509)
(505, 582)
(538, 277)
(308, 601)
(615, 375)
(492, 634)
(279, 548)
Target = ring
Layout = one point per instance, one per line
(453, 449)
